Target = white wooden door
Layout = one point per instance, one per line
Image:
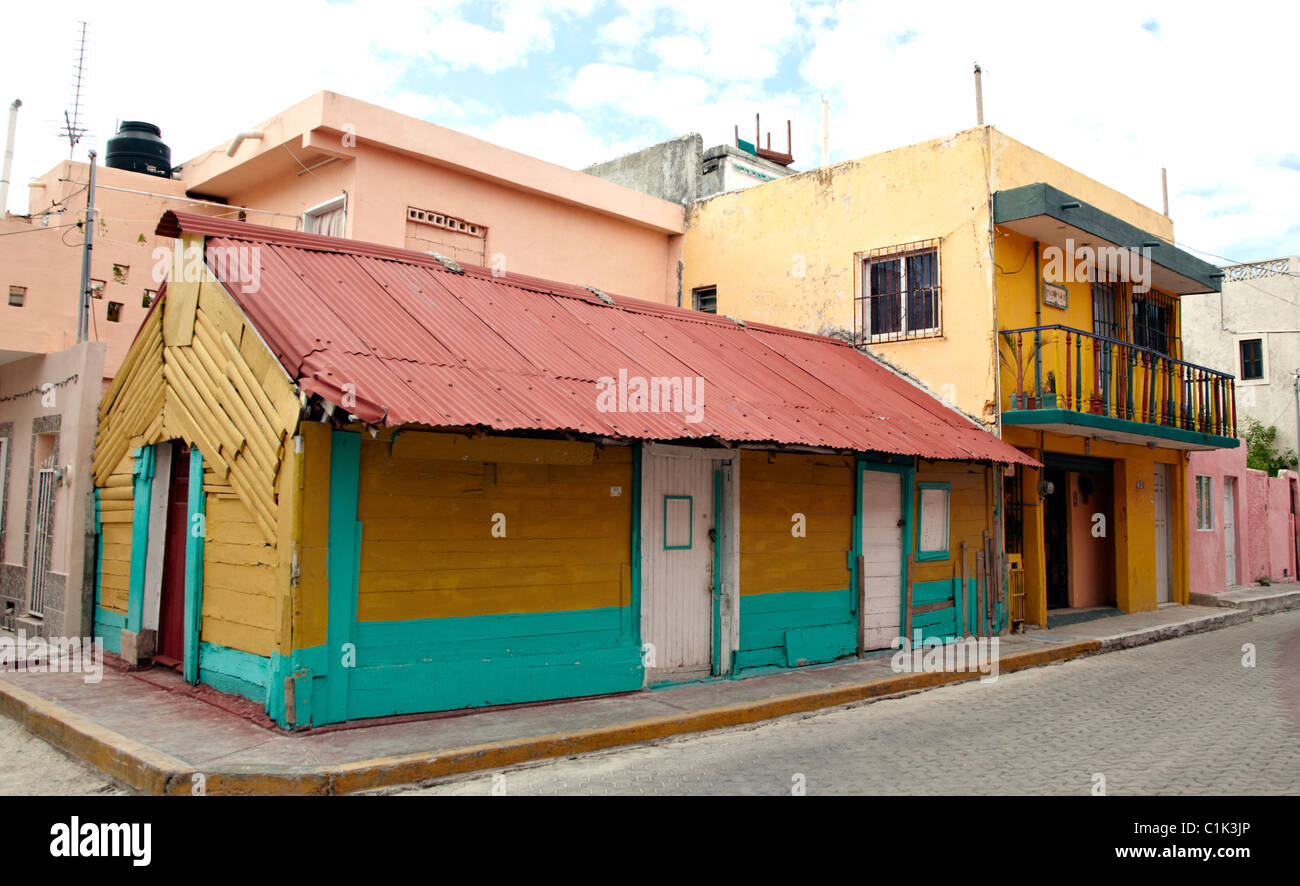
(1161, 503)
(1230, 530)
(882, 549)
(677, 566)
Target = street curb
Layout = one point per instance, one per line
(153, 772)
(1262, 605)
(130, 762)
(1131, 639)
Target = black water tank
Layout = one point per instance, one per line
(138, 147)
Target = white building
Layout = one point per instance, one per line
(1252, 329)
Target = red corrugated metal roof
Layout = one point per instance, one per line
(419, 343)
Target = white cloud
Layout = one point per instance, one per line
(1204, 93)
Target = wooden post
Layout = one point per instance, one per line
(862, 618)
(907, 608)
(959, 601)
(981, 597)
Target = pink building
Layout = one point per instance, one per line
(1242, 523)
(330, 164)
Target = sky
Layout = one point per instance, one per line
(1116, 90)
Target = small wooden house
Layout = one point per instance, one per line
(349, 481)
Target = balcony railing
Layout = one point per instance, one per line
(1056, 367)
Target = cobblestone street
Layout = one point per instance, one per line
(1178, 717)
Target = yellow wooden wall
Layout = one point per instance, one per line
(116, 510)
(427, 547)
(198, 372)
(773, 488)
(970, 514)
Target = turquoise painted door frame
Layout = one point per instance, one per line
(196, 532)
(142, 493)
(719, 521)
(343, 565)
(907, 475)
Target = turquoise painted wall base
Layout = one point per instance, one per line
(796, 628)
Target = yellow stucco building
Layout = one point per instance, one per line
(1024, 293)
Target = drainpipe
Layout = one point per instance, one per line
(9, 156)
(1038, 322)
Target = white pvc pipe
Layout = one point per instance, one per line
(239, 140)
(9, 156)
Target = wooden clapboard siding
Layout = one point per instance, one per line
(198, 372)
(239, 579)
(773, 488)
(427, 547)
(116, 517)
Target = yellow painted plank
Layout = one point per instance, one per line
(418, 444)
(537, 579)
(233, 635)
(178, 312)
(403, 605)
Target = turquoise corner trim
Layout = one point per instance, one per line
(944, 554)
(1030, 418)
(343, 566)
(632, 626)
(195, 530)
(305, 674)
(718, 524)
(690, 533)
(99, 551)
(142, 493)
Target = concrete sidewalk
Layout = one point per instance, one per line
(1258, 599)
(158, 738)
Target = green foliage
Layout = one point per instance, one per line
(1261, 449)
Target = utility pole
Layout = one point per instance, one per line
(979, 96)
(88, 244)
(1297, 411)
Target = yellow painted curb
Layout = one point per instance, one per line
(131, 762)
(151, 771)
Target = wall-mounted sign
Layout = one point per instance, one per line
(1056, 296)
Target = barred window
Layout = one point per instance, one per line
(1204, 502)
(901, 294)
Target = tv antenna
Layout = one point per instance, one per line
(72, 129)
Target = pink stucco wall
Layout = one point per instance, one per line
(1265, 530)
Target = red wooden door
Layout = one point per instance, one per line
(171, 616)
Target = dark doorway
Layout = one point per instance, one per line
(1056, 541)
(171, 607)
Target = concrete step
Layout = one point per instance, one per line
(1258, 600)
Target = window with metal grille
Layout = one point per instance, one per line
(901, 294)
(1204, 502)
(17, 296)
(1153, 322)
(705, 298)
(1252, 359)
